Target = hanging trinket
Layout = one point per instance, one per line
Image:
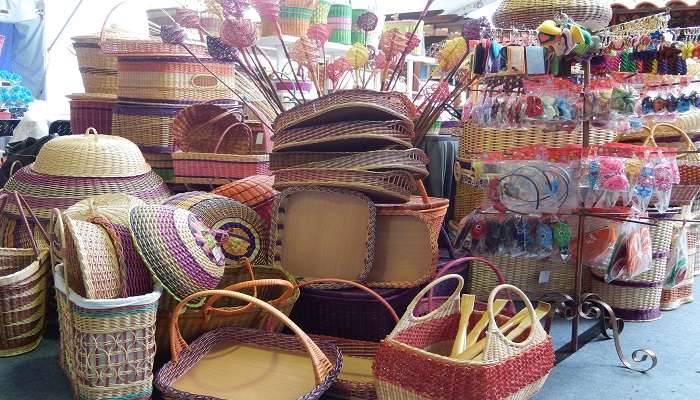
(545, 239)
(561, 234)
(493, 236)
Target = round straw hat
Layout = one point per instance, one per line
(182, 253)
(247, 232)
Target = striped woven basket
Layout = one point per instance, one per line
(219, 166)
(98, 70)
(193, 322)
(24, 275)
(340, 23)
(320, 14)
(91, 111)
(89, 331)
(149, 125)
(672, 298)
(412, 161)
(288, 159)
(357, 35)
(294, 18)
(182, 79)
(639, 299)
(254, 191)
(248, 236)
(348, 105)
(593, 14)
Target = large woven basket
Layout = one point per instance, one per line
(347, 105)
(294, 18)
(202, 128)
(162, 79)
(593, 14)
(406, 248)
(91, 111)
(247, 232)
(193, 322)
(346, 136)
(320, 14)
(254, 191)
(24, 274)
(95, 366)
(98, 70)
(149, 125)
(639, 299)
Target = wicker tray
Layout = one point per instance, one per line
(412, 161)
(383, 187)
(219, 166)
(346, 136)
(323, 233)
(347, 105)
(288, 159)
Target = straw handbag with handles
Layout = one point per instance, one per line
(592, 14)
(226, 360)
(688, 163)
(412, 360)
(23, 284)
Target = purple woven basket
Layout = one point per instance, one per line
(349, 313)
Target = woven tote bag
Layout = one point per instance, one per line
(592, 14)
(411, 362)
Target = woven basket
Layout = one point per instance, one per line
(193, 323)
(149, 125)
(254, 191)
(320, 14)
(98, 70)
(162, 79)
(201, 128)
(407, 26)
(294, 18)
(181, 252)
(412, 161)
(45, 192)
(247, 232)
(593, 14)
(323, 233)
(159, 161)
(346, 136)
(419, 347)
(219, 166)
(347, 105)
(107, 346)
(639, 298)
(91, 111)
(467, 199)
(340, 23)
(24, 274)
(382, 187)
(201, 357)
(357, 35)
(288, 159)
(111, 213)
(406, 248)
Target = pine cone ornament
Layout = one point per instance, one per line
(367, 21)
(173, 33)
(239, 33)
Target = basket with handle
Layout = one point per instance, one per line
(98, 70)
(218, 165)
(194, 322)
(199, 127)
(89, 328)
(419, 347)
(269, 358)
(688, 161)
(24, 275)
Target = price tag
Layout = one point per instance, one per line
(544, 277)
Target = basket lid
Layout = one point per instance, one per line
(93, 97)
(90, 155)
(113, 207)
(247, 233)
(181, 252)
(251, 191)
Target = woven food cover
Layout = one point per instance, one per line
(90, 155)
(113, 206)
(247, 232)
(182, 253)
(251, 191)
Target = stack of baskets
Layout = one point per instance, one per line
(214, 145)
(99, 72)
(71, 168)
(154, 88)
(340, 23)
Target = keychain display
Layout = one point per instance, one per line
(515, 235)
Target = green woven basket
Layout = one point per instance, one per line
(357, 35)
(320, 14)
(340, 23)
(294, 18)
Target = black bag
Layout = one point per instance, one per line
(19, 154)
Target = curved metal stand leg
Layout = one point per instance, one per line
(592, 307)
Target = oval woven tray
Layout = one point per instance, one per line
(412, 161)
(348, 105)
(288, 159)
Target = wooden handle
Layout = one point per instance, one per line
(21, 205)
(320, 363)
(360, 286)
(210, 310)
(421, 190)
(246, 131)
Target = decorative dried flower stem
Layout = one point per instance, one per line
(273, 90)
(274, 70)
(261, 80)
(404, 53)
(278, 28)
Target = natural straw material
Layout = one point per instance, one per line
(98, 70)
(199, 127)
(247, 232)
(90, 155)
(592, 14)
(181, 252)
(288, 159)
(325, 357)
(412, 161)
(348, 105)
(91, 111)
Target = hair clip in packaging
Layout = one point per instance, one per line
(545, 239)
(561, 234)
(534, 108)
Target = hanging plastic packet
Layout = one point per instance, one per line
(643, 188)
(508, 234)
(494, 231)
(545, 239)
(613, 180)
(677, 267)
(589, 180)
(561, 234)
(632, 253)
(664, 178)
(523, 236)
